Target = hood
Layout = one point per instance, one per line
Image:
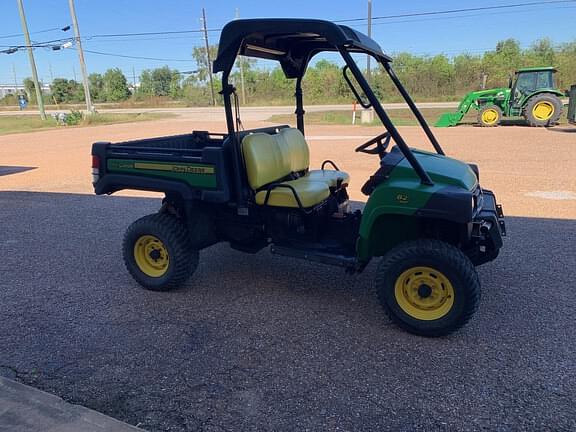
(443, 170)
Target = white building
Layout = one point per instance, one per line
(6, 89)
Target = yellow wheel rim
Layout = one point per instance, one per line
(424, 293)
(151, 256)
(490, 116)
(543, 110)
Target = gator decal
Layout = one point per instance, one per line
(196, 175)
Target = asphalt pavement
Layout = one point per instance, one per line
(259, 342)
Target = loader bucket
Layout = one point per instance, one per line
(449, 119)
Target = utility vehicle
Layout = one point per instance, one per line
(426, 216)
(532, 95)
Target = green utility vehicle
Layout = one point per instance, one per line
(427, 219)
(532, 95)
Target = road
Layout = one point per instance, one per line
(259, 342)
(248, 113)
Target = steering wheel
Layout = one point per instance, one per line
(382, 142)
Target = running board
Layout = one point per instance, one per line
(320, 257)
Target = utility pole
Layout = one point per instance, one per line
(134, 79)
(209, 62)
(89, 106)
(51, 74)
(74, 73)
(241, 64)
(368, 72)
(32, 63)
(15, 79)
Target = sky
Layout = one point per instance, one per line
(472, 32)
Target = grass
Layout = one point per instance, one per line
(400, 117)
(31, 123)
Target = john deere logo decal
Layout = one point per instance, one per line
(402, 198)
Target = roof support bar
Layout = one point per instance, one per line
(227, 90)
(413, 108)
(299, 105)
(424, 177)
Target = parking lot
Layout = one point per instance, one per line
(260, 342)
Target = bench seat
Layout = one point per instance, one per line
(282, 159)
(309, 192)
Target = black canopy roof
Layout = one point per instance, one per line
(292, 42)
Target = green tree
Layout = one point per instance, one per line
(66, 91)
(115, 85)
(30, 89)
(160, 82)
(96, 85)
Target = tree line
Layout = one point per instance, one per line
(437, 77)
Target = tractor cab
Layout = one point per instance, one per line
(529, 81)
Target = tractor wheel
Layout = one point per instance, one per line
(489, 116)
(543, 110)
(157, 252)
(428, 287)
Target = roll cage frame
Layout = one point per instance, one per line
(293, 43)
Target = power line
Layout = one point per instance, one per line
(136, 57)
(451, 11)
(36, 32)
(151, 33)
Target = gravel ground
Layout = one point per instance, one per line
(258, 342)
(265, 343)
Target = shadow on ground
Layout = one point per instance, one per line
(268, 343)
(7, 170)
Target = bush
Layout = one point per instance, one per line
(74, 118)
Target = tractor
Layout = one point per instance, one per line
(532, 95)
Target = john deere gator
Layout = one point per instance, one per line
(532, 94)
(427, 220)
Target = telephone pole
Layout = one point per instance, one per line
(368, 72)
(15, 79)
(89, 106)
(209, 62)
(241, 64)
(32, 62)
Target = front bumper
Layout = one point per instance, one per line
(487, 229)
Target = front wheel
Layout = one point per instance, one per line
(489, 116)
(428, 287)
(158, 253)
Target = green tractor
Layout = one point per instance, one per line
(531, 95)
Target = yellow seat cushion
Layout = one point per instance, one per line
(329, 176)
(296, 148)
(266, 161)
(309, 192)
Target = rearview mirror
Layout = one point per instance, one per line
(361, 98)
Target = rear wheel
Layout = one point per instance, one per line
(489, 116)
(157, 252)
(543, 110)
(428, 287)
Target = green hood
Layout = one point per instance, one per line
(443, 170)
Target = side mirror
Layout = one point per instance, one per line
(362, 99)
(509, 81)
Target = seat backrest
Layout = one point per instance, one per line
(296, 148)
(266, 161)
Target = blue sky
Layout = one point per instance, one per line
(466, 32)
